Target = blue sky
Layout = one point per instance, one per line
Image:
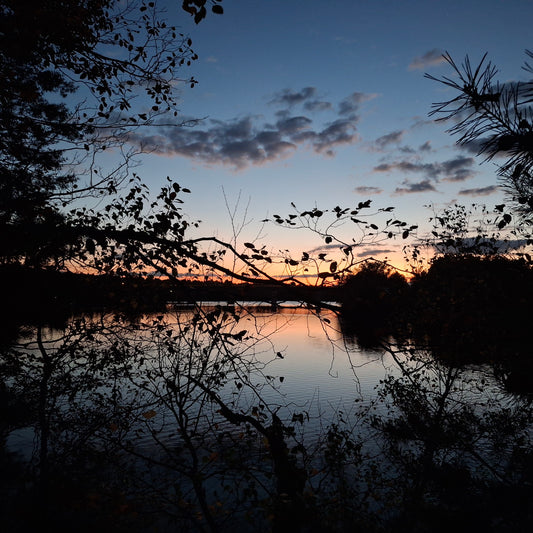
(324, 103)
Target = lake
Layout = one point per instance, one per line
(187, 407)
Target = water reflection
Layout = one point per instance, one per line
(204, 417)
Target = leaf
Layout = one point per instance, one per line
(149, 414)
(333, 266)
(90, 246)
(219, 10)
(328, 239)
(249, 245)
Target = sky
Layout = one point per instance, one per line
(324, 103)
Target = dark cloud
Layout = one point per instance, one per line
(479, 191)
(317, 105)
(371, 252)
(459, 169)
(250, 140)
(426, 147)
(363, 189)
(335, 134)
(351, 104)
(360, 250)
(391, 138)
(289, 97)
(429, 59)
(238, 143)
(421, 186)
(291, 125)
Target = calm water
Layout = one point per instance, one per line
(133, 387)
(302, 363)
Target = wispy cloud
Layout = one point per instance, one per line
(459, 169)
(251, 140)
(290, 97)
(390, 138)
(317, 105)
(375, 252)
(409, 187)
(479, 191)
(361, 250)
(429, 59)
(351, 104)
(365, 189)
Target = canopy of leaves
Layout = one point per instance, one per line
(72, 72)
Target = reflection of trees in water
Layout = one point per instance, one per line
(457, 445)
(166, 423)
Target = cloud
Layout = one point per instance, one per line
(238, 143)
(479, 191)
(429, 59)
(250, 140)
(289, 97)
(361, 250)
(317, 105)
(371, 252)
(426, 147)
(391, 138)
(459, 169)
(335, 134)
(351, 104)
(421, 186)
(292, 125)
(363, 189)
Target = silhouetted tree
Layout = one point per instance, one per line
(496, 118)
(71, 74)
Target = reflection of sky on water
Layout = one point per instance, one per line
(317, 372)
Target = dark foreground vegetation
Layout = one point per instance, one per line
(440, 450)
(119, 412)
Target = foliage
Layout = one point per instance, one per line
(494, 117)
(77, 78)
(178, 415)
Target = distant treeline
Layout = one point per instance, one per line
(36, 291)
(466, 309)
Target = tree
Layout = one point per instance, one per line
(494, 117)
(77, 77)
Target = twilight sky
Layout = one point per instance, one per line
(324, 103)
